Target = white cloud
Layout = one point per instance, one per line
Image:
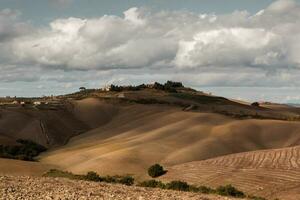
(179, 39)
(282, 6)
(230, 47)
(235, 49)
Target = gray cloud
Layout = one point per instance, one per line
(10, 27)
(236, 49)
(140, 39)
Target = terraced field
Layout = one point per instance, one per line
(269, 173)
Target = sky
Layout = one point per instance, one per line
(247, 50)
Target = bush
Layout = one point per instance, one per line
(110, 179)
(256, 198)
(156, 171)
(63, 174)
(255, 104)
(173, 84)
(205, 190)
(229, 190)
(126, 180)
(169, 86)
(93, 176)
(25, 150)
(152, 184)
(178, 185)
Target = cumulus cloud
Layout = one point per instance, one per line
(168, 39)
(232, 49)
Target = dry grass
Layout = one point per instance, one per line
(269, 173)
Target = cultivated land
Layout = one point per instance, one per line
(12, 188)
(199, 138)
(270, 173)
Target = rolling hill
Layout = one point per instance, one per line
(270, 173)
(200, 138)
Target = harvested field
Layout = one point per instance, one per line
(269, 173)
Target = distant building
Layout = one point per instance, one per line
(16, 102)
(107, 88)
(37, 103)
(25, 102)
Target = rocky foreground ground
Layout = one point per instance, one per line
(13, 188)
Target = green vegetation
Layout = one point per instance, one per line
(257, 198)
(169, 86)
(117, 88)
(91, 176)
(227, 190)
(126, 180)
(64, 174)
(152, 184)
(156, 171)
(24, 150)
(178, 185)
(203, 99)
(255, 104)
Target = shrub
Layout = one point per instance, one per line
(256, 104)
(256, 198)
(126, 180)
(152, 184)
(229, 190)
(93, 176)
(178, 185)
(63, 174)
(169, 86)
(156, 171)
(25, 150)
(173, 84)
(205, 190)
(110, 179)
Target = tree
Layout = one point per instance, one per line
(82, 88)
(178, 185)
(92, 176)
(156, 171)
(173, 84)
(256, 104)
(229, 190)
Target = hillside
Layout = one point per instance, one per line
(45, 126)
(270, 173)
(21, 168)
(140, 135)
(200, 138)
(12, 188)
(56, 122)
